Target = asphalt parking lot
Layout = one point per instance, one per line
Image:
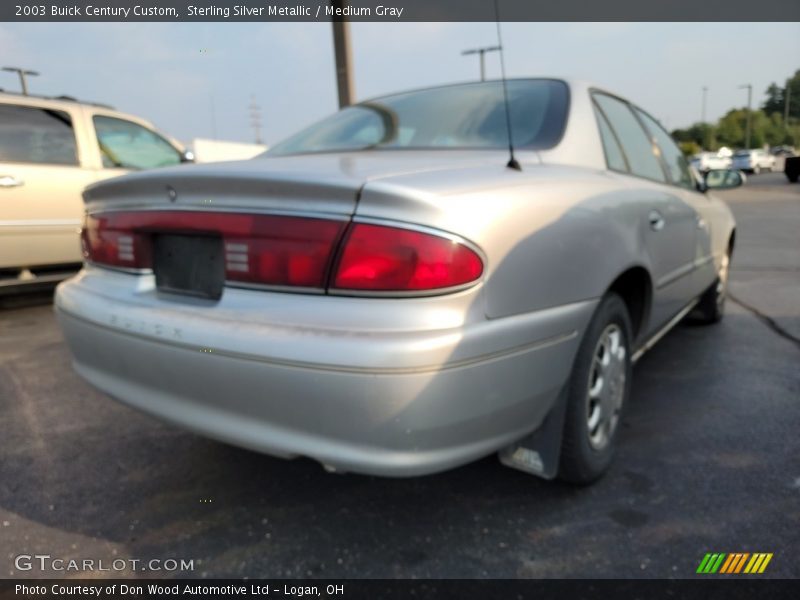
(709, 462)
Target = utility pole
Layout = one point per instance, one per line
(22, 73)
(255, 118)
(787, 94)
(703, 110)
(481, 52)
(343, 54)
(749, 87)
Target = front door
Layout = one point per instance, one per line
(41, 182)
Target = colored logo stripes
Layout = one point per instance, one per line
(736, 562)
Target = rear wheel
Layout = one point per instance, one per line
(711, 307)
(597, 393)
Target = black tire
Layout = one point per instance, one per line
(792, 178)
(582, 459)
(711, 307)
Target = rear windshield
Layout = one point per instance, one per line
(742, 153)
(459, 116)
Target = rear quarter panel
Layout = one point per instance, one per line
(551, 235)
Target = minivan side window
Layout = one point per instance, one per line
(126, 145)
(672, 155)
(615, 159)
(30, 134)
(635, 142)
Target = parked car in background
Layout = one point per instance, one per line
(50, 149)
(753, 161)
(387, 293)
(706, 161)
(791, 167)
(782, 151)
(206, 150)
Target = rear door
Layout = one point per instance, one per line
(666, 220)
(41, 179)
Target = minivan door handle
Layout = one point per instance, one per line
(657, 221)
(9, 181)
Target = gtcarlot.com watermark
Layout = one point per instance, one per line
(48, 563)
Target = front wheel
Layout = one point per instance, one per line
(598, 391)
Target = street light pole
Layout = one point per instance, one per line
(344, 57)
(749, 113)
(481, 52)
(703, 111)
(22, 73)
(787, 93)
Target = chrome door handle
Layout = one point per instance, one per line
(702, 223)
(9, 181)
(657, 221)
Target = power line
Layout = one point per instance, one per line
(255, 118)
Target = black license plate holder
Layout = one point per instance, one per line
(192, 265)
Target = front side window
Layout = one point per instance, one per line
(126, 145)
(36, 135)
(635, 142)
(458, 116)
(672, 155)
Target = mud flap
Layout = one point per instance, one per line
(538, 453)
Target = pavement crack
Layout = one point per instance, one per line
(766, 319)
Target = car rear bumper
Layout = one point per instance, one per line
(396, 403)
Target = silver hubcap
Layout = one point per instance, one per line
(606, 390)
(722, 281)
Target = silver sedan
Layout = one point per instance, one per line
(387, 292)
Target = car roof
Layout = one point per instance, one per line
(65, 103)
(63, 99)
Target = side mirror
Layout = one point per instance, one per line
(187, 156)
(723, 179)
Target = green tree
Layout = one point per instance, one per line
(776, 95)
(700, 134)
(774, 101)
(731, 128)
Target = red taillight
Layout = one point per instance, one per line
(388, 259)
(291, 251)
(259, 249)
(108, 241)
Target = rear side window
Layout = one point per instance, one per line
(36, 135)
(127, 145)
(614, 156)
(635, 142)
(676, 163)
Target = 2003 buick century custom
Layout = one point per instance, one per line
(384, 294)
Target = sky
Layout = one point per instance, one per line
(197, 79)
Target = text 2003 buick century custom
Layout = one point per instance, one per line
(383, 294)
